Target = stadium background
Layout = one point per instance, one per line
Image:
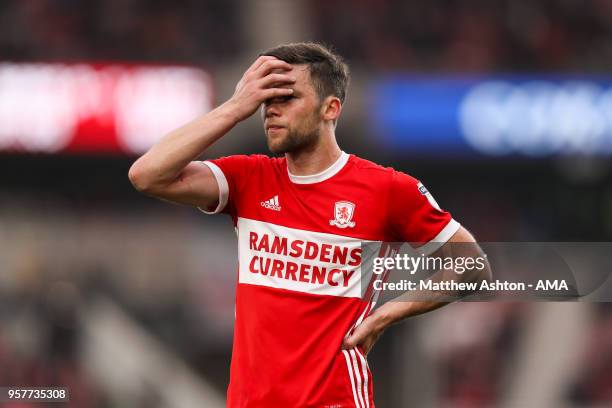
(129, 301)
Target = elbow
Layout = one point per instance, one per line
(139, 179)
(486, 274)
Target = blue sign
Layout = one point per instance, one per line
(530, 116)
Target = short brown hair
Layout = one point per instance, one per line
(329, 73)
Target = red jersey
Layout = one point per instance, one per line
(299, 277)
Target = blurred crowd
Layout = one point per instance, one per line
(60, 257)
(594, 384)
(156, 265)
(471, 357)
(469, 36)
(40, 339)
(447, 35)
(61, 248)
(205, 32)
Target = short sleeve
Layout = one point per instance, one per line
(416, 217)
(231, 173)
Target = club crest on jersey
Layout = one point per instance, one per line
(343, 214)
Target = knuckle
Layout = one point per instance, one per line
(272, 63)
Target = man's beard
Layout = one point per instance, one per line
(295, 141)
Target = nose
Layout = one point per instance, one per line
(270, 109)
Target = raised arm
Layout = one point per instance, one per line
(169, 170)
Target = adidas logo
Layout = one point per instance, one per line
(271, 204)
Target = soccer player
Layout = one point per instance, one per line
(302, 329)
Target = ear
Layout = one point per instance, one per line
(331, 108)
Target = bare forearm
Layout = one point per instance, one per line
(161, 166)
(166, 159)
(461, 244)
(429, 300)
(394, 312)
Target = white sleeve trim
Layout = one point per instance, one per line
(440, 239)
(223, 188)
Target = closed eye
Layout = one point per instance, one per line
(279, 99)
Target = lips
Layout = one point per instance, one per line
(273, 127)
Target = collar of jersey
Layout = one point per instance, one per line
(322, 176)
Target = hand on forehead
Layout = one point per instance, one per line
(301, 74)
(296, 70)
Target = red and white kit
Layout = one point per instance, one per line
(299, 280)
